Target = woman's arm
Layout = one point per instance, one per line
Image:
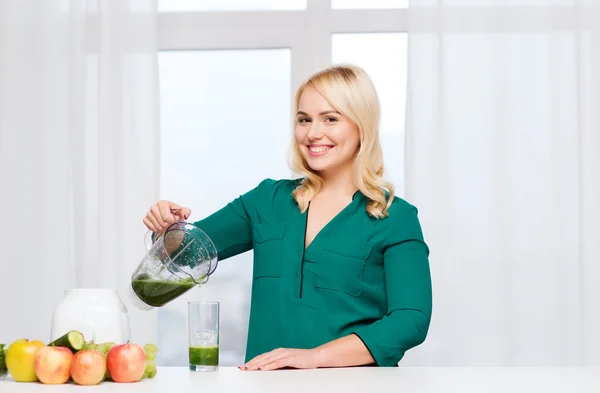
(343, 352)
(409, 295)
(230, 228)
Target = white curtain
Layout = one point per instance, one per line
(503, 161)
(78, 153)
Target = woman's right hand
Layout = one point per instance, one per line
(164, 213)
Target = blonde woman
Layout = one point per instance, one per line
(341, 273)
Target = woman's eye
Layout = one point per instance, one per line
(304, 120)
(330, 119)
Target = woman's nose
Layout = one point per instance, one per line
(314, 132)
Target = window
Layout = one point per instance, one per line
(205, 96)
(230, 5)
(384, 58)
(368, 4)
(228, 74)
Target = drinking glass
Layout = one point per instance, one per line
(203, 335)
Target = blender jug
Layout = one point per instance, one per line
(179, 259)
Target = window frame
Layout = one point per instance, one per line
(307, 33)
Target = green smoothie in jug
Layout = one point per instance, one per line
(157, 293)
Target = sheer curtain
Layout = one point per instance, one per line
(503, 154)
(78, 153)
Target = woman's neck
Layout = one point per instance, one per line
(339, 182)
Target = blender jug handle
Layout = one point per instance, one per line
(149, 240)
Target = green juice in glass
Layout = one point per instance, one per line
(204, 356)
(204, 335)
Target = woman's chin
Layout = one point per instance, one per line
(323, 165)
(318, 166)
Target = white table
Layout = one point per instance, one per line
(363, 380)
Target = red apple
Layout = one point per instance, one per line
(88, 368)
(126, 362)
(53, 364)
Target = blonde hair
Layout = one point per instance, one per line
(350, 91)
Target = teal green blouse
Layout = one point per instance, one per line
(360, 275)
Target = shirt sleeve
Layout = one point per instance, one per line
(230, 228)
(409, 295)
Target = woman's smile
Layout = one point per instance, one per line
(316, 150)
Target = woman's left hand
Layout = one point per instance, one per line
(283, 357)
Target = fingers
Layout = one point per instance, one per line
(276, 361)
(266, 359)
(163, 214)
(164, 211)
(258, 359)
(283, 358)
(149, 224)
(176, 210)
(279, 363)
(151, 217)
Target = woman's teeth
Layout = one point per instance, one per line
(319, 149)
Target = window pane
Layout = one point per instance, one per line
(384, 58)
(230, 5)
(498, 3)
(503, 3)
(363, 4)
(226, 125)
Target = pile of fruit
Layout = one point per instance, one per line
(71, 358)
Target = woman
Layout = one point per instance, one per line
(341, 273)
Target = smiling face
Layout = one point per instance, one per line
(328, 141)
